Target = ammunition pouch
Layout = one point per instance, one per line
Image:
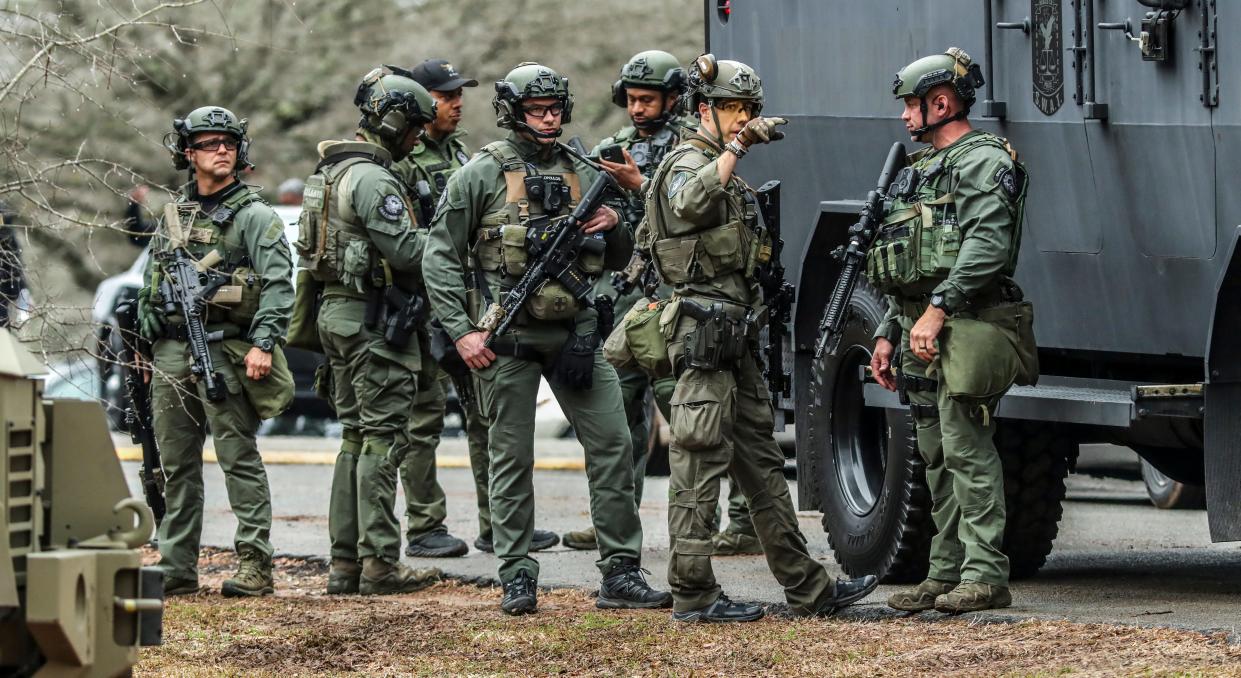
(574, 366)
(917, 242)
(303, 329)
(718, 341)
(247, 288)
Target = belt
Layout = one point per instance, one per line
(914, 307)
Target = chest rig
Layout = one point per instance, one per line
(735, 246)
(332, 242)
(534, 201)
(210, 234)
(437, 173)
(648, 152)
(918, 243)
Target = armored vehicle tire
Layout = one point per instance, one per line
(870, 477)
(1037, 457)
(1166, 493)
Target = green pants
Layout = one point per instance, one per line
(722, 423)
(182, 414)
(508, 391)
(634, 393)
(476, 426)
(374, 391)
(425, 505)
(965, 477)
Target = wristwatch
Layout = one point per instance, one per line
(265, 344)
(937, 300)
(736, 148)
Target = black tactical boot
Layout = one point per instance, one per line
(845, 593)
(436, 544)
(520, 595)
(176, 586)
(626, 589)
(722, 610)
(542, 540)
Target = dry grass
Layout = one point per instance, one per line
(457, 629)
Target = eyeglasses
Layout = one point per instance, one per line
(213, 145)
(555, 109)
(735, 106)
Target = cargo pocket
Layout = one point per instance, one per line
(702, 410)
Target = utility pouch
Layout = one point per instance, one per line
(574, 366)
(245, 300)
(552, 301)
(303, 330)
(642, 339)
(356, 266)
(271, 395)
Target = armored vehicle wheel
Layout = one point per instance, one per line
(1166, 493)
(1037, 457)
(870, 478)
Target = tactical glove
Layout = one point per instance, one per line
(150, 319)
(761, 131)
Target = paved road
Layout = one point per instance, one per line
(1117, 559)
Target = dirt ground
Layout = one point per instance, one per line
(456, 628)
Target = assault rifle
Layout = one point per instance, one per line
(853, 257)
(186, 288)
(138, 418)
(554, 248)
(778, 293)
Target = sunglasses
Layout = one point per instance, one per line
(213, 145)
(540, 111)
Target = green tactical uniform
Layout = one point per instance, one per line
(973, 193)
(247, 233)
(722, 419)
(376, 384)
(483, 203)
(950, 239)
(427, 168)
(647, 153)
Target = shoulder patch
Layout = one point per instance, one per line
(1010, 182)
(678, 181)
(392, 207)
(462, 157)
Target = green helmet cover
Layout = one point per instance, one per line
(711, 80)
(952, 67)
(529, 80)
(207, 119)
(652, 69)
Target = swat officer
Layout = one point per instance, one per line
(956, 309)
(367, 261)
(482, 217)
(224, 225)
(649, 88)
(425, 173)
(701, 232)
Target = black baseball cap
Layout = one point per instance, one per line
(441, 76)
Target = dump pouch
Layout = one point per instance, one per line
(303, 330)
(272, 394)
(982, 356)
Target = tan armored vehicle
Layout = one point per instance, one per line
(74, 597)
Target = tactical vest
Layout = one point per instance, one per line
(438, 173)
(736, 246)
(332, 242)
(238, 301)
(501, 246)
(648, 152)
(920, 238)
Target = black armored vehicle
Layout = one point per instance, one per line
(1127, 115)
